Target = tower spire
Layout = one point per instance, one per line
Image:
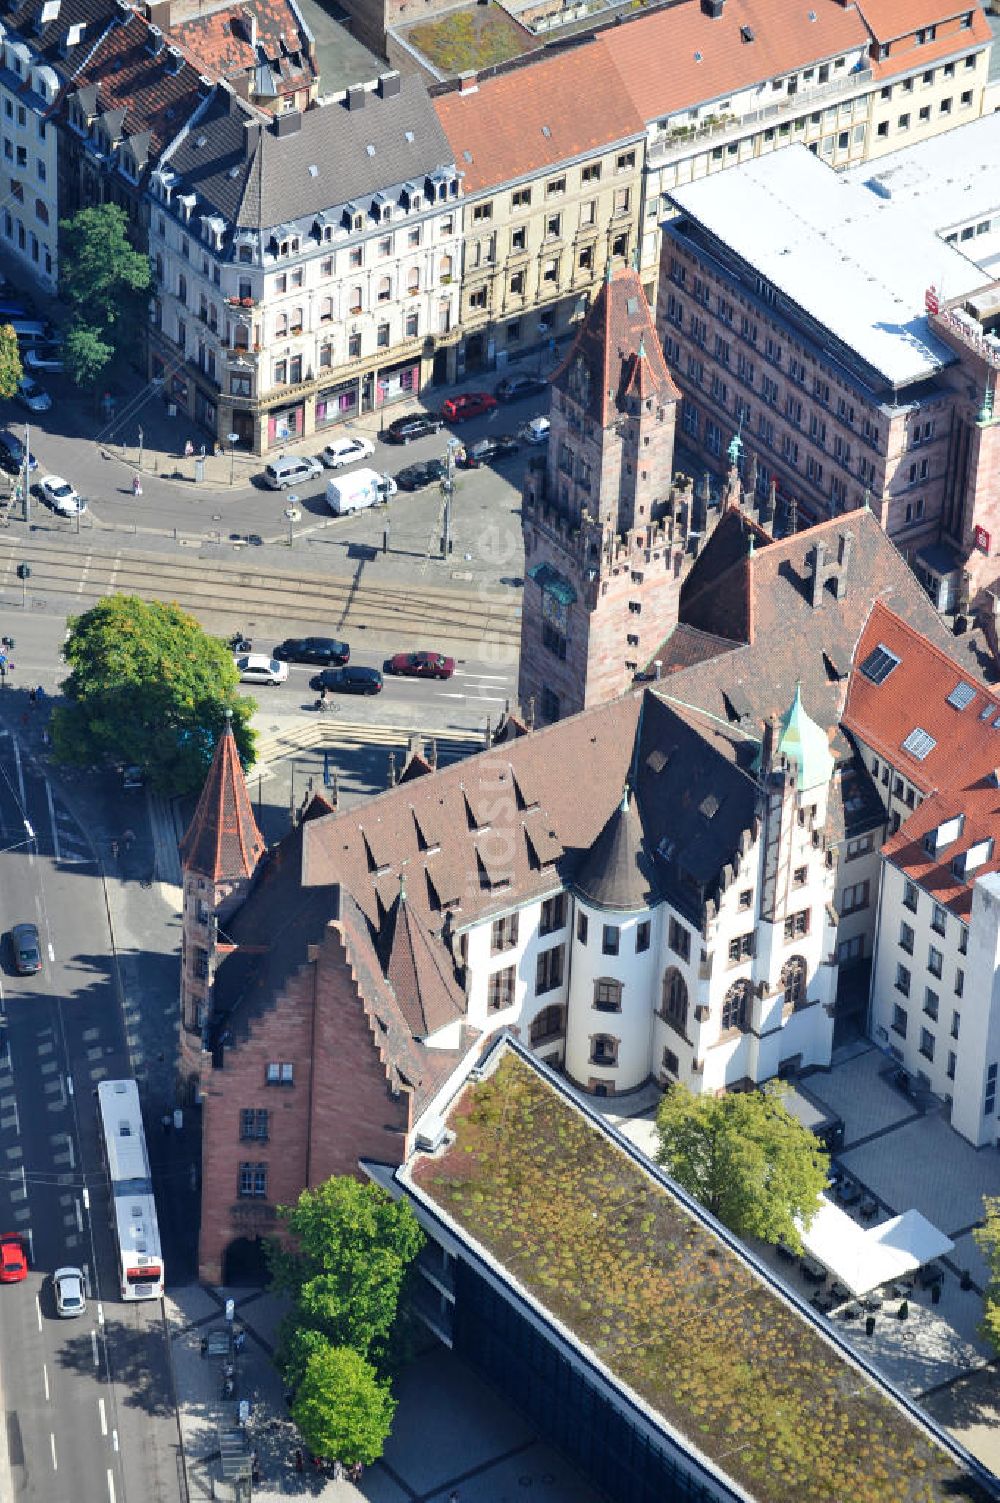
(222, 841)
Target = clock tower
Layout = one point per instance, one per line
(605, 530)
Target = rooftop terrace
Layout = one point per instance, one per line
(669, 1308)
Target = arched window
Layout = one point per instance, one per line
(736, 1005)
(445, 268)
(296, 320)
(281, 326)
(41, 212)
(674, 1007)
(793, 980)
(326, 310)
(413, 280)
(384, 289)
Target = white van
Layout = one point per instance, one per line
(358, 490)
(291, 469)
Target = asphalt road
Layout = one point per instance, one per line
(86, 1401)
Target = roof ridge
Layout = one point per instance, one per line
(878, 604)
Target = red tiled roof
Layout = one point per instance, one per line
(680, 56)
(897, 18)
(957, 774)
(221, 40)
(904, 60)
(537, 116)
(222, 841)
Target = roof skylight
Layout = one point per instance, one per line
(961, 696)
(879, 664)
(919, 743)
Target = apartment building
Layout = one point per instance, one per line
(306, 267)
(549, 202)
(929, 733)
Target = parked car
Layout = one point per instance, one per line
(33, 396)
(341, 451)
(322, 650)
(535, 431)
(12, 455)
(13, 1263)
(69, 1291)
(513, 388)
(25, 949)
(61, 496)
(421, 665)
(291, 469)
(485, 450)
(45, 357)
(413, 477)
(348, 680)
(258, 668)
(468, 404)
(414, 425)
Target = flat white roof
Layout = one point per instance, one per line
(857, 263)
(863, 1259)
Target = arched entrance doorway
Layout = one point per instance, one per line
(244, 1262)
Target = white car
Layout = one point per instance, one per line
(258, 668)
(71, 1298)
(536, 431)
(343, 451)
(61, 496)
(34, 397)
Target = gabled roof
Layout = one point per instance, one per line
(898, 18)
(617, 345)
(222, 841)
(534, 117)
(419, 972)
(901, 685)
(617, 872)
(235, 39)
(908, 59)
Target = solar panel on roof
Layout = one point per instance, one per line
(961, 696)
(919, 743)
(879, 664)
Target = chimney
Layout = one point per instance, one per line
(158, 12)
(175, 60)
(713, 8)
(251, 138)
(287, 123)
(468, 83)
(356, 97)
(154, 41)
(389, 85)
(844, 545)
(817, 562)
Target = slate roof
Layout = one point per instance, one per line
(222, 841)
(687, 645)
(958, 775)
(265, 182)
(618, 872)
(535, 117)
(420, 973)
(222, 42)
(617, 344)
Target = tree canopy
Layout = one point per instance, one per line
(103, 278)
(11, 370)
(342, 1408)
(148, 686)
(745, 1158)
(987, 1238)
(351, 1248)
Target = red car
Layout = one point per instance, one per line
(421, 665)
(13, 1263)
(471, 404)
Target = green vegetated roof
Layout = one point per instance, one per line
(471, 38)
(673, 1312)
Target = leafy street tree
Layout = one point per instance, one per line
(745, 1158)
(148, 686)
(86, 354)
(342, 1409)
(10, 362)
(987, 1237)
(103, 278)
(350, 1250)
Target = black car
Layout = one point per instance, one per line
(26, 949)
(12, 455)
(349, 680)
(322, 650)
(415, 425)
(485, 450)
(513, 388)
(413, 477)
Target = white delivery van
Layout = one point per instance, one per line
(357, 490)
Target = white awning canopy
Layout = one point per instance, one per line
(863, 1258)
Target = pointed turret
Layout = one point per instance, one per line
(806, 744)
(222, 841)
(618, 872)
(425, 988)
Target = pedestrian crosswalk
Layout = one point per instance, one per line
(331, 732)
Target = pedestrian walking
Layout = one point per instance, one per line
(299, 1460)
(32, 696)
(136, 485)
(40, 694)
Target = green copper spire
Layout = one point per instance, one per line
(805, 743)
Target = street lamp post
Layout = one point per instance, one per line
(293, 514)
(141, 435)
(234, 439)
(27, 475)
(448, 486)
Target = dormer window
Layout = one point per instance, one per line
(944, 835)
(971, 860)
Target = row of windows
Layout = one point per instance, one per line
(555, 187)
(924, 114)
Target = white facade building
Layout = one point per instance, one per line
(30, 179)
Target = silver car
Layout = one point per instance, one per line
(71, 1298)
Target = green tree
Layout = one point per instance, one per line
(342, 1409)
(11, 370)
(350, 1250)
(987, 1238)
(745, 1158)
(86, 354)
(102, 274)
(148, 686)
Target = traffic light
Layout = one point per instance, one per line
(24, 571)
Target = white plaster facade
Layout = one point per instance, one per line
(30, 179)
